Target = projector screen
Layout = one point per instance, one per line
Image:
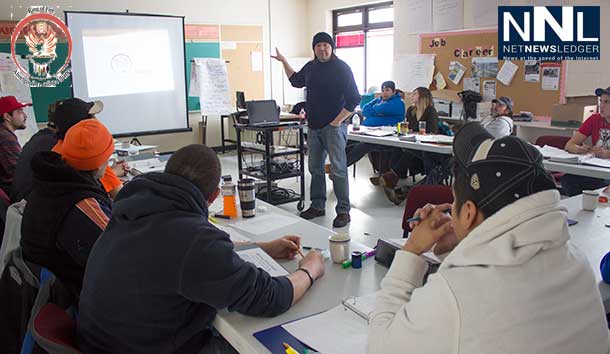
(135, 65)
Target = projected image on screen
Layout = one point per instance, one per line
(135, 64)
(126, 63)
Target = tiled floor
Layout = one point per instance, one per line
(373, 215)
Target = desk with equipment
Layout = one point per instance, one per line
(267, 161)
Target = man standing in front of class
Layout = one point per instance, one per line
(332, 95)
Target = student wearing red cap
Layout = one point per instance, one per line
(68, 209)
(12, 118)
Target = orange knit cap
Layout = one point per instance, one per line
(86, 146)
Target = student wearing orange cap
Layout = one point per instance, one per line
(12, 118)
(63, 114)
(68, 209)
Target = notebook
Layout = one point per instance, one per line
(559, 155)
(347, 321)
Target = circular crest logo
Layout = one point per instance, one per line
(41, 30)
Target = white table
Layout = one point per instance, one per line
(327, 292)
(530, 131)
(576, 169)
(592, 237)
(393, 140)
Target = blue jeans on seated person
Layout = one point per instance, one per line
(574, 185)
(332, 141)
(358, 151)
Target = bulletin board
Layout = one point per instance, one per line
(457, 45)
(238, 44)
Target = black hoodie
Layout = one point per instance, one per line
(159, 273)
(55, 232)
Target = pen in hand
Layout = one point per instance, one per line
(418, 218)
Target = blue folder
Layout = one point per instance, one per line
(272, 338)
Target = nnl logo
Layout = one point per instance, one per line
(549, 32)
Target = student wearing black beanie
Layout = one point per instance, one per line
(332, 95)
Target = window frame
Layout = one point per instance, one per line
(364, 27)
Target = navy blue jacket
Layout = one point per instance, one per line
(330, 88)
(160, 271)
(381, 112)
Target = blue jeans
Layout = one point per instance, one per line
(332, 141)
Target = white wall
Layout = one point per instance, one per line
(582, 76)
(288, 19)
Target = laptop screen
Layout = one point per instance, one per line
(262, 112)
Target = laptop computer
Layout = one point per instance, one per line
(264, 113)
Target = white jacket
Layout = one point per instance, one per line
(514, 285)
(499, 127)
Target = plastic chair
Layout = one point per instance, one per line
(553, 140)
(55, 331)
(421, 195)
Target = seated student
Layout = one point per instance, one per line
(500, 122)
(597, 126)
(68, 209)
(12, 118)
(43, 140)
(157, 277)
(62, 115)
(512, 283)
(421, 110)
(387, 110)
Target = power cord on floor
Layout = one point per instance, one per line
(277, 194)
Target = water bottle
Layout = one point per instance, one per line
(228, 197)
(356, 122)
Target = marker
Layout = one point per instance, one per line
(417, 218)
(222, 216)
(212, 219)
(289, 349)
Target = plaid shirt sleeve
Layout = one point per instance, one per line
(9, 154)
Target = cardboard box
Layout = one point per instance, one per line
(570, 114)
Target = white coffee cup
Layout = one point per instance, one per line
(589, 200)
(339, 247)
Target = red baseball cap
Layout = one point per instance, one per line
(10, 103)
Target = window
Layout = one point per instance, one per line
(364, 38)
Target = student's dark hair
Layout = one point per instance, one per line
(461, 187)
(509, 113)
(198, 164)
